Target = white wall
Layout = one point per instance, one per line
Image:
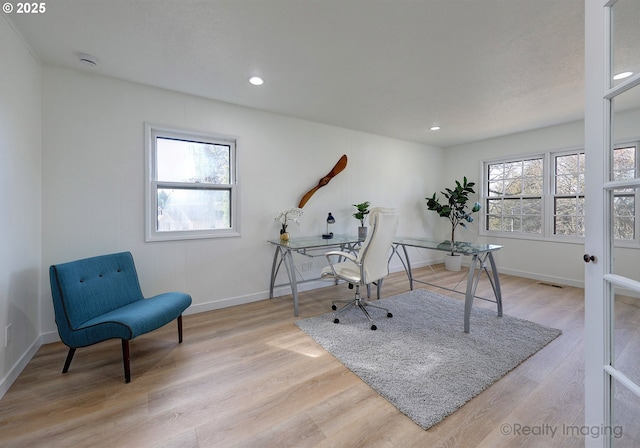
(93, 184)
(20, 203)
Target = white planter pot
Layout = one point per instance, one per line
(452, 262)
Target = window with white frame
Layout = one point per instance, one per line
(514, 193)
(517, 201)
(568, 194)
(191, 185)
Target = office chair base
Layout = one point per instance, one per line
(359, 303)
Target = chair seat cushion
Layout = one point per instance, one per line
(139, 317)
(346, 271)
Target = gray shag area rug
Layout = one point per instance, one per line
(420, 360)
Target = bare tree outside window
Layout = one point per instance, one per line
(516, 202)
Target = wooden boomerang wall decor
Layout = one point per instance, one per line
(341, 165)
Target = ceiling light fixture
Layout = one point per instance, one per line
(87, 59)
(622, 75)
(256, 81)
(434, 128)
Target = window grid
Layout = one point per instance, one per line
(568, 194)
(516, 202)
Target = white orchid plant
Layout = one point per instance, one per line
(288, 216)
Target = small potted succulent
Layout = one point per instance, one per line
(363, 211)
(456, 210)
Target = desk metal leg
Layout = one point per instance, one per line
(472, 284)
(288, 264)
(407, 265)
(495, 283)
(274, 271)
(283, 254)
(468, 298)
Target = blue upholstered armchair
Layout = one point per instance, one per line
(99, 298)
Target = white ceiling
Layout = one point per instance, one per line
(478, 68)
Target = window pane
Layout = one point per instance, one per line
(624, 205)
(513, 169)
(496, 188)
(494, 223)
(624, 228)
(511, 224)
(533, 167)
(194, 162)
(567, 184)
(193, 209)
(532, 186)
(532, 224)
(624, 211)
(625, 36)
(513, 187)
(511, 207)
(494, 206)
(624, 161)
(624, 431)
(496, 171)
(580, 202)
(532, 206)
(566, 206)
(565, 225)
(567, 164)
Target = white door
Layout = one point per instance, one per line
(612, 251)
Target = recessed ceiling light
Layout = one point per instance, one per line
(434, 128)
(622, 75)
(256, 81)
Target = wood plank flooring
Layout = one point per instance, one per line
(246, 376)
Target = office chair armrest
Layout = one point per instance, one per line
(338, 253)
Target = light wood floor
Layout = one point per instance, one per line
(248, 377)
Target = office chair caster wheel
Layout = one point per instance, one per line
(389, 315)
(333, 307)
(373, 327)
(336, 321)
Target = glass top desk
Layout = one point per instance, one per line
(305, 246)
(480, 253)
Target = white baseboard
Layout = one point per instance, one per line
(543, 278)
(18, 367)
(282, 290)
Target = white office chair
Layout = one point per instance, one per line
(369, 265)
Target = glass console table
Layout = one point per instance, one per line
(480, 253)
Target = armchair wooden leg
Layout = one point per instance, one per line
(126, 360)
(67, 363)
(180, 329)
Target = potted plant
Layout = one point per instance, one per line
(363, 211)
(285, 217)
(456, 210)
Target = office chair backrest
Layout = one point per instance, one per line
(375, 249)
